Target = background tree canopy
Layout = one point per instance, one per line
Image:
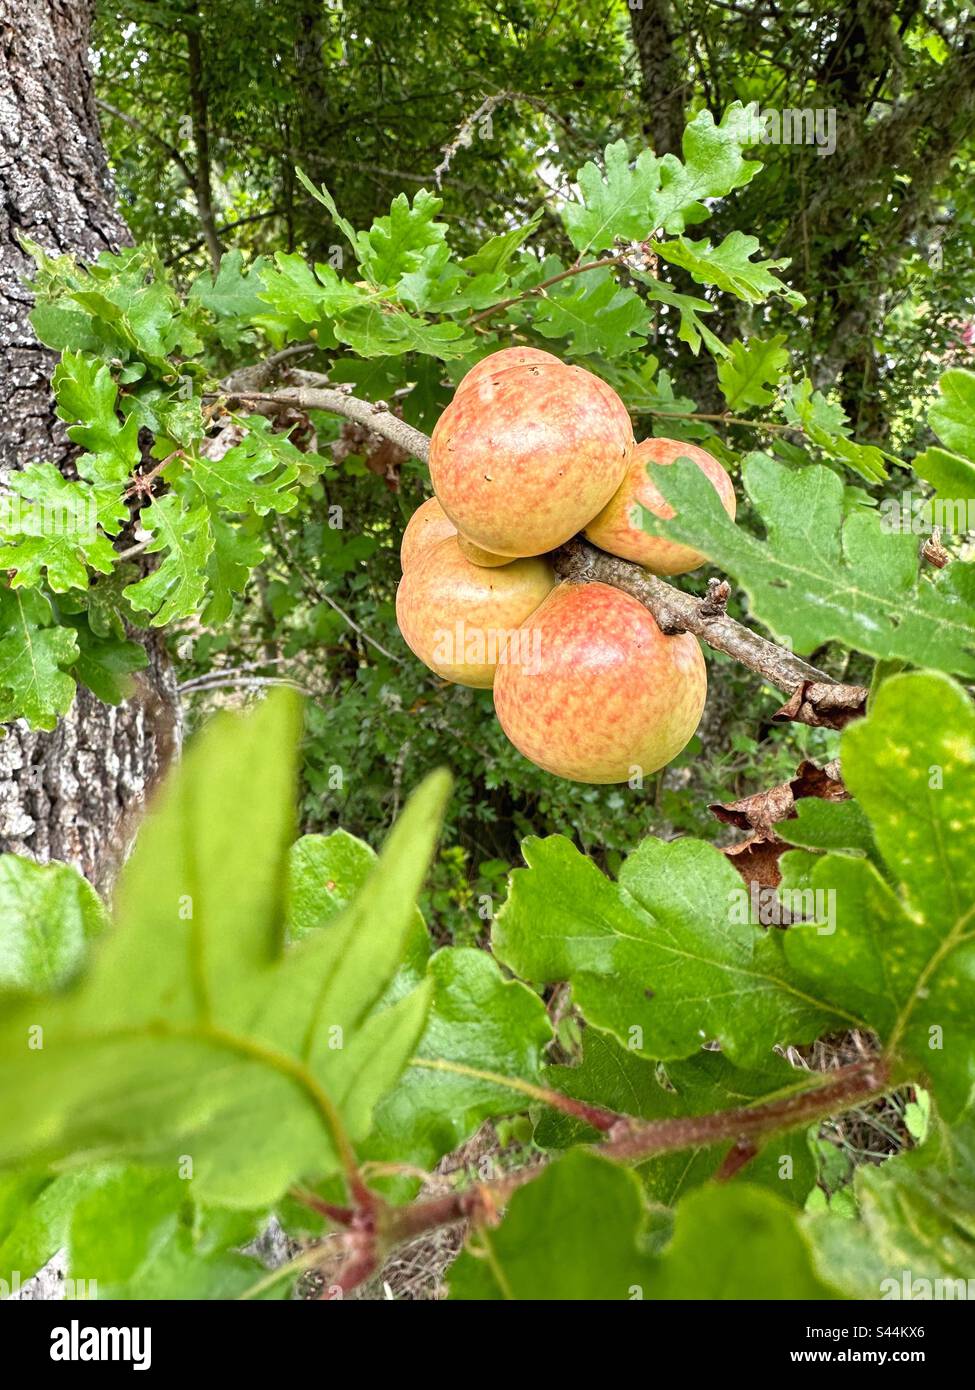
(224, 96)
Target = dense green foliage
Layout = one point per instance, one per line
(257, 1008)
(880, 230)
(879, 233)
(264, 1008)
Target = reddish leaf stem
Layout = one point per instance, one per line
(738, 1156)
(547, 284)
(341, 1216)
(638, 1140)
(595, 1115)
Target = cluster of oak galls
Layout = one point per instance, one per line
(530, 452)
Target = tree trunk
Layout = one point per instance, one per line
(70, 794)
(664, 72)
(200, 102)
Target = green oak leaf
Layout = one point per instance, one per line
(596, 314)
(175, 419)
(902, 955)
(496, 253)
(817, 577)
(575, 1233)
(440, 285)
(436, 285)
(258, 473)
(827, 426)
(231, 296)
(105, 665)
(55, 535)
(235, 555)
(713, 166)
(57, 321)
(184, 536)
(619, 1079)
(730, 267)
(750, 368)
(377, 332)
(629, 201)
(120, 307)
(35, 656)
(86, 391)
(138, 1233)
(394, 244)
(314, 296)
(952, 471)
(616, 201)
(478, 1022)
(648, 389)
(322, 195)
(194, 1033)
(49, 913)
(692, 330)
(666, 960)
(144, 314)
(103, 602)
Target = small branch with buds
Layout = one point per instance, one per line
(141, 485)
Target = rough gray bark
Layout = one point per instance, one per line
(71, 794)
